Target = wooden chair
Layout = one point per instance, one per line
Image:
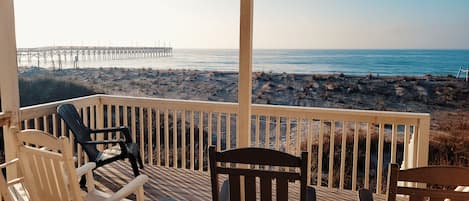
(258, 156)
(50, 175)
(14, 189)
(365, 195)
(126, 148)
(432, 175)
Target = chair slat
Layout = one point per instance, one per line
(266, 188)
(250, 187)
(234, 187)
(265, 173)
(60, 182)
(282, 189)
(52, 184)
(40, 174)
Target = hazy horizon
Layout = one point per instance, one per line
(212, 24)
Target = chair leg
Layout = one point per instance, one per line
(139, 159)
(133, 162)
(83, 182)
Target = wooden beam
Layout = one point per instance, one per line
(245, 73)
(9, 79)
(4, 119)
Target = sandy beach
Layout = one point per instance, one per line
(444, 97)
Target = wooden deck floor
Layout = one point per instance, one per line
(181, 184)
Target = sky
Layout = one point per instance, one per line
(214, 24)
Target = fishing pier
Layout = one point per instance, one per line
(55, 56)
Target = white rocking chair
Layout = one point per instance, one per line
(49, 171)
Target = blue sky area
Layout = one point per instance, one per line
(278, 24)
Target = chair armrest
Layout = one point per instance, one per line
(85, 168)
(131, 187)
(8, 163)
(112, 129)
(125, 130)
(103, 142)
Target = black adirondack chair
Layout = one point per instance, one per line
(82, 134)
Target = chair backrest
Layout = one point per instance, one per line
(277, 165)
(74, 122)
(48, 167)
(445, 176)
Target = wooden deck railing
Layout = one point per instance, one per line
(176, 133)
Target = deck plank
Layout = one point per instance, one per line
(184, 184)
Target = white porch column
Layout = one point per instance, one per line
(245, 73)
(9, 78)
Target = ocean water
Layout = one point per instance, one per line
(352, 62)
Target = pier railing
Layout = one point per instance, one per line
(348, 149)
(56, 55)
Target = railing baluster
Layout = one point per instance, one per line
(183, 140)
(309, 144)
(277, 133)
(394, 142)
(134, 123)
(126, 115)
(355, 156)
(342, 156)
(150, 134)
(406, 145)
(415, 139)
(258, 125)
(267, 132)
(228, 130)
(210, 128)
(118, 120)
(287, 135)
(218, 131)
(92, 117)
(367, 155)
(45, 123)
(141, 124)
(330, 182)
(109, 135)
(299, 135)
(93, 125)
(191, 152)
(54, 125)
(158, 136)
(320, 152)
(175, 139)
(64, 129)
(201, 140)
(36, 123)
(85, 121)
(379, 171)
(166, 137)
